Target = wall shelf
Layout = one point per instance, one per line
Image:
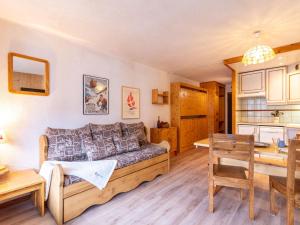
(160, 98)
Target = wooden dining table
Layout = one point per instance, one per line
(267, 160)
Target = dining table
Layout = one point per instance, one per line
(269, 160)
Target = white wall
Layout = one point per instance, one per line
(25, 117)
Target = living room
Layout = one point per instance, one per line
(115, 106)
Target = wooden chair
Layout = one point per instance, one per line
(289, 187)
(240, 147)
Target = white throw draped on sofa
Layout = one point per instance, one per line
(97, 172)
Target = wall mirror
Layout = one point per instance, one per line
(28, 75)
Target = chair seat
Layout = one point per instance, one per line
(230, 171)
(280, 185)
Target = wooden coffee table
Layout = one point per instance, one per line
(16, 184)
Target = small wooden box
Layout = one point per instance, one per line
(165, 134)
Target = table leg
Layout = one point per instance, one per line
(34, 198)
(41, 199)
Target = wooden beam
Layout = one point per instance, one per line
(281, 49)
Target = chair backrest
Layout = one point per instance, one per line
(293, 163)
(239, 147)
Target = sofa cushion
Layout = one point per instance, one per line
(99, 148)
(65, 144)
(147, 152)
(126, 144)
(137, 129)
(104, 131)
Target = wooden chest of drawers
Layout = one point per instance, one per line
(165, 134)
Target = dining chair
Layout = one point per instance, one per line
(239, 147)
(289, 187)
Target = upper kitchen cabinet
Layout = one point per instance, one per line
(275, 86)
(293, 93)
(252, 84)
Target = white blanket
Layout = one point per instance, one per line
(95, 172)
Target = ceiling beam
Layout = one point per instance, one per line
(281, 49)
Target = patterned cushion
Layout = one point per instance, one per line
(65, 144)
(99, 148)
(103, 131)
(147, 152)
(137, 129)
(126, 144)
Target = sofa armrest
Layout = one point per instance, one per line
(163, 144)
(56, 192)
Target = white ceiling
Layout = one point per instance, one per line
(184, 37)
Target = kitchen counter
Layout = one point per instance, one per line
(290, 125)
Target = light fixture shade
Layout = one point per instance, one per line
(3, 138)
(258, 54)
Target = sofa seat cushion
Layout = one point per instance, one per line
(105, 131)
(137, 129)
(147, 152)
(65, 144)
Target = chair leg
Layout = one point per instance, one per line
(251, 202)
(211, 196)
(290, 211)
(242, 196)
(273, 207)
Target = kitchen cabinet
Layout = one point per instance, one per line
(275, 86)
(252, 83)
(293, 93)
(267, 133)
(249, 130)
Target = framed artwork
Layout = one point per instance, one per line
(130, 103)
(95, 95)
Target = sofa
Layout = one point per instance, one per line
(137, 161)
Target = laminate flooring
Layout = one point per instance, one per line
(177, 198)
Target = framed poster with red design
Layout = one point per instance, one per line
(130, 103)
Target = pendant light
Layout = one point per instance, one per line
(258, 54)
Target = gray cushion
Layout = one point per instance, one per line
(137, 129)
(65, 144)
(104, 131)
(147, 152)
(99, 148)
(126, 144)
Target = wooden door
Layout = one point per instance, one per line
(192, 130)
(275, 86)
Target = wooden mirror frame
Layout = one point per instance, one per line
(11, 89)
(227, 62)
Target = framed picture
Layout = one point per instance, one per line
(95, 95)
(130, 103)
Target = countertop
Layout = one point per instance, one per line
(290, 125)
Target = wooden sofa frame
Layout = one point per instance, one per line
(63, 200)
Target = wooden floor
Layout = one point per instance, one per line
(179, 197)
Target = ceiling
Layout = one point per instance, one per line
(184, 37)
